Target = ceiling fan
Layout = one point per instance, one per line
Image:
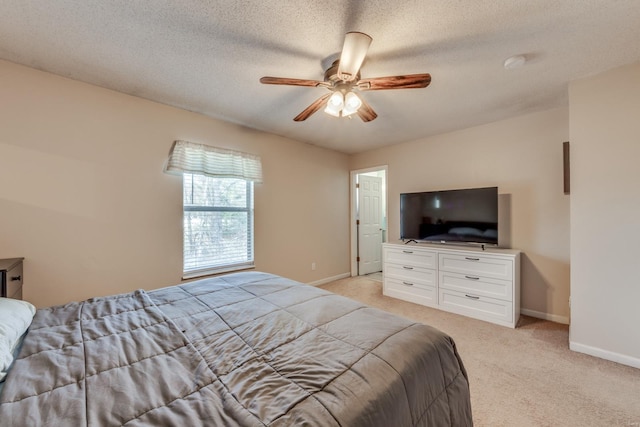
(343, 80)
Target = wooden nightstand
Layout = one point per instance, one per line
(11, 278)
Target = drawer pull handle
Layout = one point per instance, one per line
(472, 259)
(407, 252)
(16, 278)
(471, 296)
(407, 283)
(472, 278)
(407, 268)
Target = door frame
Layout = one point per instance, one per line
(353, 214)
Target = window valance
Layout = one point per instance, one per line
(190, 157)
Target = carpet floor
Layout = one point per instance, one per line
(525, 376)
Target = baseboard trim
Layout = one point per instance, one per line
(545, 316)
(605, 354)
(329, 279)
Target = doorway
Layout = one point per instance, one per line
(368, 219)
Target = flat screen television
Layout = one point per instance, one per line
(467, 216)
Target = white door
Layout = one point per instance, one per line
(370, 224)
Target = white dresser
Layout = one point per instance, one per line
(483, 284)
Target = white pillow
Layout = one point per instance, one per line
(465, 231)
(490, 233)
(15, 318)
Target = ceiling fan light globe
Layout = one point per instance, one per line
(336, 100)
(352, 102)
(332, 110)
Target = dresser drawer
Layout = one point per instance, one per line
(477, 285)
(480, 307)
(411, 256)
(14, 282)
(411, 291)
(409, 273)
(473, 265)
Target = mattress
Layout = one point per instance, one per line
(245, 349)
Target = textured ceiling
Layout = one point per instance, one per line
(208, 56)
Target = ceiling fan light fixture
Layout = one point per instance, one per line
(335, 104)
(332, 111)
(355, 49)
(336, 100)
(351, 104)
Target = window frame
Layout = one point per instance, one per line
(250, 243)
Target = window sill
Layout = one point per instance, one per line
(215, 271)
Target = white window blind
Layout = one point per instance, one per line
(217, 206)
(218, 224)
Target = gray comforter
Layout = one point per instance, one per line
(246, 349)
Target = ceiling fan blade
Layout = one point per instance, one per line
(353, 53)
(315, 106)
(291, 82)
(411, 81)
(365, 112)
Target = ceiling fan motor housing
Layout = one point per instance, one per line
(331, 75)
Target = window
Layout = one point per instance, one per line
(218, 224)
(217, 206)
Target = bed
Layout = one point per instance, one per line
(244, 349)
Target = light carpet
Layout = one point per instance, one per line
(525, 376)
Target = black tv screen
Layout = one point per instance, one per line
(468, 216)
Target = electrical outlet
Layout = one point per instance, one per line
(313, 266)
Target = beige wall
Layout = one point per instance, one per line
(605, 214)
(84, 200)
(523, 157)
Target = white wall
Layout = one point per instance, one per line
(84, 200)
(523, 157)
(605, 215)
